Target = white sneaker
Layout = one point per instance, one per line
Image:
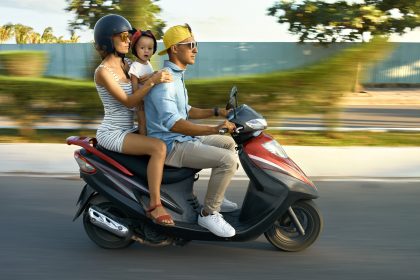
(228, 206)
(216, 224)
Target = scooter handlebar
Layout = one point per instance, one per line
(223, 131)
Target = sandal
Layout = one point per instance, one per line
(160, 219)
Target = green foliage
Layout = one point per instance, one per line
(327, 22)
(142, 14)
(22, 97)
(23, 63)
(362, 138)
(315, 88)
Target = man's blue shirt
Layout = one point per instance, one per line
(166, 104)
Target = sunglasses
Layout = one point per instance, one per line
(125, 36)
(191, 45)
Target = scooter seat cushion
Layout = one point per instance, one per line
(138, 166)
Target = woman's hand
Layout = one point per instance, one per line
(162, 76)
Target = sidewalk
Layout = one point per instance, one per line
(316, 162)
(383, 96)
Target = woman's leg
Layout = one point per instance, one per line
(136, 144)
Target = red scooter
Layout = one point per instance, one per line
(278, 202)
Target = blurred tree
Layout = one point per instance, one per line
(26, 35)
(141, 13)
(6, 32)
(23, 33)
(48, 36)
(315, 20)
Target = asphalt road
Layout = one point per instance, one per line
(360, 117)
(371, 232)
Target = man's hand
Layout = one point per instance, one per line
(224, 113)
(228, 125)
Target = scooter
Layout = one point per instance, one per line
(278, 202)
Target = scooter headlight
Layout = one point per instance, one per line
(257, 124)
(275, 148)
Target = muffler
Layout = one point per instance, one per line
(103, 221)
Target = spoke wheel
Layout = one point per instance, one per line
(285, 235)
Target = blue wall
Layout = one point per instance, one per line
(230, 59)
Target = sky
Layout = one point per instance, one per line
(211, 20)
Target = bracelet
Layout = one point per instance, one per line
(216, 111)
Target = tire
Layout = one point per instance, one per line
(284, 235)
(101, 237)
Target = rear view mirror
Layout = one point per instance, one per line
(232, 102)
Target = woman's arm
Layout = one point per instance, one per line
(106, 79)
(141, 118)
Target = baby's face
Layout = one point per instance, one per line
(144, 48)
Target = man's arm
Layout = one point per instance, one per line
(197, 113)
(191, 129)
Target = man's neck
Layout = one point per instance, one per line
(178, 63)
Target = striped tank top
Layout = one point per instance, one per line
(118, 119)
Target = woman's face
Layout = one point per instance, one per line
(121, 42)
(144, 48)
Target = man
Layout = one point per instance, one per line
(188, 144)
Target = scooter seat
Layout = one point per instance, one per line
(138, 166)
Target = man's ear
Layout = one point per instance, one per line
(174, 49)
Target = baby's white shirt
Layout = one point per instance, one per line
(139, 69)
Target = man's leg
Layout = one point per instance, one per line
(219, 141)
(225, 142)
(195, 154)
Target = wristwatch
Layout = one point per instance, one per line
(216, 111)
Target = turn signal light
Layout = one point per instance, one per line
(83, 163)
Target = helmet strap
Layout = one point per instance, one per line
(122, 55)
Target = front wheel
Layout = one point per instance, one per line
(284, 234)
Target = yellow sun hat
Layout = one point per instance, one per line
(174, 35)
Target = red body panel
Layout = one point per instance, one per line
(267, 160)
(89, 143)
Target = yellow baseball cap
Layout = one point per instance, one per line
(174, 35)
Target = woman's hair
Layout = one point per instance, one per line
(102, 53)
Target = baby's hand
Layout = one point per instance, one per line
(144, 78)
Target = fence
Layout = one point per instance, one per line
(231, 59)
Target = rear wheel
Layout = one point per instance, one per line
(285, 235)
(101, 237)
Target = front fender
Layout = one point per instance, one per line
(85, 196)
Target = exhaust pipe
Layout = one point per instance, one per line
(101, 220)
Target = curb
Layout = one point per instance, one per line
(316, 162)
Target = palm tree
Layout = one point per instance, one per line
(34, 38)
(22, 33)
(6, 32)
(48, 36)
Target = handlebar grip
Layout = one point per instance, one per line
(223, 131)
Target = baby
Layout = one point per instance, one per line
(143, 46)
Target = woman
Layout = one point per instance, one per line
(117, 131)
